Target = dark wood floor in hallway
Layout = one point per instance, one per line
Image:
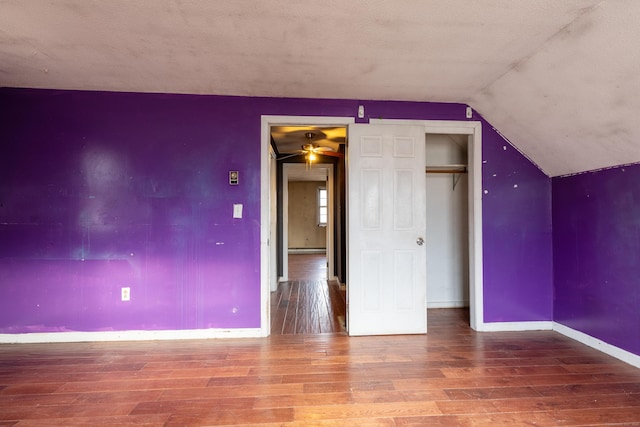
(308, 307)
(308, 303)
(307, 266)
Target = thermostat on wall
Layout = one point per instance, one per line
(233, 177)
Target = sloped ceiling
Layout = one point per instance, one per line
(560, 79)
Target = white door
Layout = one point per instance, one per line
(386, 278)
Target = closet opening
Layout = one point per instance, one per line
(447, 242)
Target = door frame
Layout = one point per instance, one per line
(267, 236)
(471, 128)
(286, 169)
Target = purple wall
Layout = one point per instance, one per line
(517, 234)
(104, 190)
(596, 239)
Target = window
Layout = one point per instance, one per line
(323, 208)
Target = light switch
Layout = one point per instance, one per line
(237, 210)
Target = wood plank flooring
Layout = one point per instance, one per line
(308, 307)
(308, 303)
(451, 376)
(307, 266)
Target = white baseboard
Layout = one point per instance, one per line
(544, 325)
(297, 251)
(59, 337)
(611, 350)
(447, 304)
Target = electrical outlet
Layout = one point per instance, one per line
(125, 294)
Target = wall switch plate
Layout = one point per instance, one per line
(237, 210)
(125, 294)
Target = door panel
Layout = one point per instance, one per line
(386, 286)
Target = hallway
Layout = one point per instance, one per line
(307, 303)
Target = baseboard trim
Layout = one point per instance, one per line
(516, 326)
(448, 304)
(581, 337)
(299, 251)
(611, 350)
(61, 337)
(189, 334)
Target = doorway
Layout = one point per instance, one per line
(301, 230)
(309, 240)
(472, 131)
(306, 199)
(308, 231)
(469, 128)
(307, 299)
(447, 221)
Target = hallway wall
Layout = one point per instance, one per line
(304, 231)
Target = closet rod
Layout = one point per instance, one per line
(446, 169)
(456, 170)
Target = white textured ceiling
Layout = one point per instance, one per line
(560, 79)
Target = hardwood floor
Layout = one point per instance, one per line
(307, 266)
(308, 307)
(451, 376)
(308, 303)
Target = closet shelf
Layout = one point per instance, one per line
(446, 168)
(455, 170)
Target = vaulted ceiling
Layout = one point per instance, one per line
(559, 79)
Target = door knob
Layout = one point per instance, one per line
(420, 241)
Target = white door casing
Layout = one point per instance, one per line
(266, 121)
(273, 228)
(386, 282)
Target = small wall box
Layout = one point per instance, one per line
(233, 177)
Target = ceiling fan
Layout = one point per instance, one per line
(311, 151)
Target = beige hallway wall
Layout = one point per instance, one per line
(304, 232)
